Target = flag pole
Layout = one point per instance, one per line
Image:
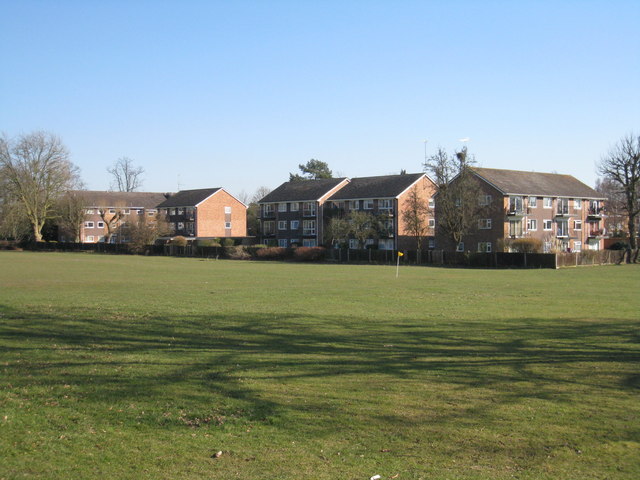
(400, 254)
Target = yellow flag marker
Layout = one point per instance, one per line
(400, 254)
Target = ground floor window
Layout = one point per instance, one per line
(484, 247)
(460, 247)
(309, 242)
(282, 242)
(577, 246)
(385, 244)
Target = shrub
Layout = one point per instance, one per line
(179, 241)
(309, 254)
(619, 246)
(237, 253)
(525, 245)
(211, 242)
(228, 242)
(271, 253)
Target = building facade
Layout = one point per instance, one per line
(205, 213)
(561, 212)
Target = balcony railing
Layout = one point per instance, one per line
(309, 212)
(515, 212)
(596, 232)
(562, 210)
(269, 214)
(595, 211)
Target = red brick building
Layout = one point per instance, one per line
(205, 213)
(559, 210)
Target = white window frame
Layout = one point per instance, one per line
(577, 204)
(432, 203)
(126, 211)
(484, 247)
(268, 227)
(354, 244)
(282, 242)
(89, 225)
(100, 224)
(547, 225)
(484, 224)
(385, 204)
(431, 223)
(282, 224)
(309, 242)
(112, 210)
(547, 202)
(354, 205)
(533, 202)
(180, 211)
(577, 246)
(460, 247)
(89, 238)
(308, 227)
(577, 225)
(180, 225)
(532, 224)
(294, 225)
(89, 211)
(267, 208)
(227, 210)
(227, 225)
(172, 211)
(294, 206)
(485, 200)
(282, 207)
(367, 204)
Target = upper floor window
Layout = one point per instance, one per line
(515, 204)
(88, 224)
(485, 200)
(367, 204)
(112, 210)
(432, 203)
(282, 207)
(172, 211)
(294, 206)
(309, 227)
(533, 202)
(100, 224)
(563, 206)
(180, 211)
(282, 224)
(89, 211)
(532, 224)
(309, 209)
(577, 204)
(547, 202)
(227, 210)
(432, 223)
(546, 225)
(353, 205)
(384, 204)
(267, 209)
(484, 224)
(127, 211)
(295, 224)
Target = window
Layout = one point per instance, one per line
(547, 247)
(89, 211)
(112, 210)
(432, 243)
(309, 242)
(485, 200)
(432, 223)
(533, 202)
(577, 205)
(268, 228)
(563, 206)
(88, 225)
(388, 226)
(172, 211)
(127, 211)
(309, 227)
(139, 211)
(353, 205)
(100, 224)
(267, 210)
(190, 227)
(180, 211)
(515, 228)
(546, 225)
(384, 204)
(460, 247)
(294, 242)
(227, 210)
(547, 202)
(282, 207)
(282, 242)
(484, 224)
(484, 247)
(515, 204)
(90, 238)
(532, 224)
(227, 225)
(385, 244)
(577, 224)
(562, 229)
(367, 204)
(309, 209)
(354, 244)
(282, 224)
(180, 225)
(294, 207)
(432, 203)
(577, 246)
(295, 224)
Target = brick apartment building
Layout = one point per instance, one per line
(559, 210)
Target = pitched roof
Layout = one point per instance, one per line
(515, 182)
(188, 198)
(377, 187)
(301, 191)
(97, 198)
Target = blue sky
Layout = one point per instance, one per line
(237, 94)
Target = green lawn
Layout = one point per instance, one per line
(119, 367)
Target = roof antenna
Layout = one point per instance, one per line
(179, 184)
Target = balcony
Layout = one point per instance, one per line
(269, 214)
(563, 211)
(595, 212)
(596, 233)
(515, 212)
(309, 212)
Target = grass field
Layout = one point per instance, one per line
(122, 367)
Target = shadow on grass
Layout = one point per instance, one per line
(241, 357)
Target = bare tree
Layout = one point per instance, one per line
(111, 218)
(253, 211)
(622, 166)
(126, 176)
(457, 206)
(70, 212)
(415, 215)
(614, 207)
(36, 171)
(146, 230)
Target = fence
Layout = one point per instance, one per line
(371, 256)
